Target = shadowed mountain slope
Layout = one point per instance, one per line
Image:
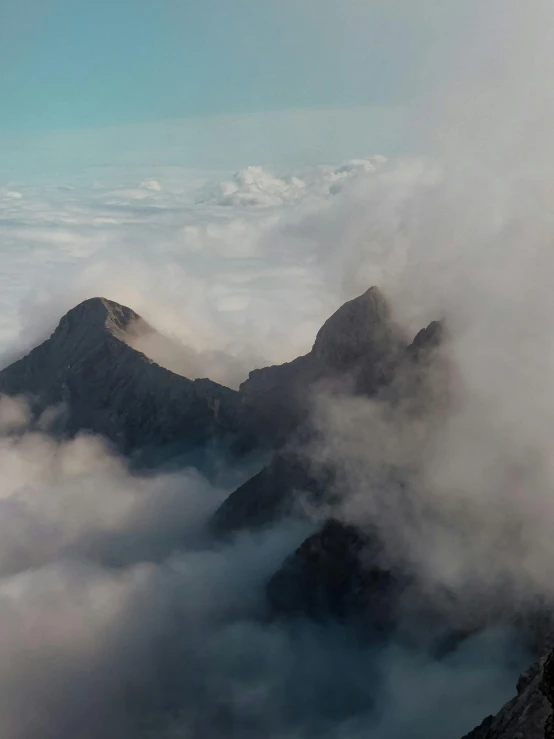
(109, 388)
(356, 348)
(524, 716)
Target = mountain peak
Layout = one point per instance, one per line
(97, 315)
(89, 369)
(360, 325)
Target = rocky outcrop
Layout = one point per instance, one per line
(356, 349)
(105, 386)
(89, 369)
(426, 340)
(288, 485)
(336, 574)
(525, 716)
(547, 689)
(360, 330)
(347, 573)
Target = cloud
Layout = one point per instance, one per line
(467, 237)
(258, 186)
(152, 185)
(212, 279)
(10, 194)
(254, 186)
(119, 615)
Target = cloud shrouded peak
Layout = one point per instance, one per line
(359, 326)
(98, 314)
(90, 370)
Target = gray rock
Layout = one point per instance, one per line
(547, 689)
(108, 388)
(356, 349)
(523, 717)
(336, 574)
(361, 329)
(287, 486)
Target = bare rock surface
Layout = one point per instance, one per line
(355, 349)
(288, 485)
(107, 387)
(523, 717)
(336, 574)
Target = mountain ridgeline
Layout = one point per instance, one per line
(101, 384)
(89, 371)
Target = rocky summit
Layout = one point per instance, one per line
(358, 351)
(357, 348)
(102, 385)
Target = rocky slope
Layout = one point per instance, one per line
(289, 485)
(529, 715)
(103, 385)
(357, 348)
(523, 717)
(336, 574)
(90, 370)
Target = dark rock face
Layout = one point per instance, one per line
(356, 349)
(338, 574)
(421, 377)
(109, 388)
(547, 689)
(88, 368)
(341, 573)
(335, 574)
(426, 340)
(282, 488)
(524, 717)
(361, 329)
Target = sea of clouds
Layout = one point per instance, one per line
(117, 614)
(236, 269)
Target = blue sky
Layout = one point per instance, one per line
(68, 65)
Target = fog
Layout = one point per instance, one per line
(118, 613)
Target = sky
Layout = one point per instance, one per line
(209, 164)
(241, 82)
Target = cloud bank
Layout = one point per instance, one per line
(118, 615)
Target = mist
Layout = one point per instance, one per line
(119, 613)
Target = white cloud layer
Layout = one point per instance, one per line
(109, 597)
(233, 269)
(118, 616)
